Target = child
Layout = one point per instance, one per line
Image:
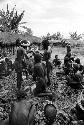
(56, 61)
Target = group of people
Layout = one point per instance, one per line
(23, 111)
(73, 69)
(40, 67)
(29, 62)
(5, 67)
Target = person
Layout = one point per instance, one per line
(73, 71)
(46, 58)
(50, 113)
(67, 66)
(77, 112)
(18, 66)
(80, 66)
(39, 75)
(9, 66)
(31, 65)
(68, 48)
(67, 59)
(56, 61)
(26, 48)
(22, 111)
(3, 68)
(45, 43)
(68, 56)
(46, 55)
(74, 78)
(68, 63)
(49, 65)
(78, 70)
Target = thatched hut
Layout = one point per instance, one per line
(10, 41)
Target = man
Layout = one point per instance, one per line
(18, 66)
(9, 66)
(49, 65)
(45, 43)
(22, 111)
(39, 75)
(68, 48)
(77, 113)
(56, 61)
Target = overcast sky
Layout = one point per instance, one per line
(45, 16)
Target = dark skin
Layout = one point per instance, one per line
(19, 65)
(22, 113)
(18, 68)
(5, 122)
(39, 75)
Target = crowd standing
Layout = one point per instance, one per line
(40, 67)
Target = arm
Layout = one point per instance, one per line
(26, 56)
(13, 66)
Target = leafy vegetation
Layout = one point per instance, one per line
(10, 20)
(75, 36)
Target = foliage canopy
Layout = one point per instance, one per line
(10, 20)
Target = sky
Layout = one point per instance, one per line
(51, 16)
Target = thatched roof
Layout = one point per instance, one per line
(10, 38)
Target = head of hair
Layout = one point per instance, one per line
(20, 53)
(56, 56)
(77, 61)
(50, 113)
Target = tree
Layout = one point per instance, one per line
(28, 31)
(57, 36)
(75, 36)
(54, 36)
(10, 20)
(48, 35)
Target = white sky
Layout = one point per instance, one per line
(45, 16)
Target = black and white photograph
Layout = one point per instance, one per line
(41, 62)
